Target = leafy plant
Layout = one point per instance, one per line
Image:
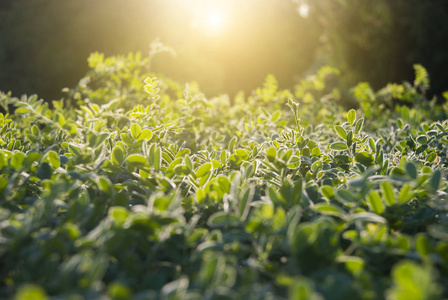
(156, 194)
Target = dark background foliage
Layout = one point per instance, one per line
(379, 41)
(44, 43)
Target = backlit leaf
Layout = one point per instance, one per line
(351, 116)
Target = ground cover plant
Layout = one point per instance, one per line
(135, 187)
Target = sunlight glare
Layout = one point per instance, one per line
(304, 10)
(215, 21)
(210, 17)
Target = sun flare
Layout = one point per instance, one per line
(215, 21)
(212, 18)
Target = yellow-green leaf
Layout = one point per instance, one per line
(388, 193)
(351, 116)
(203, 170)
(118, 155)
(145, 134)
(135, 131)
(136, 160)
(338, 146)
(53, 159)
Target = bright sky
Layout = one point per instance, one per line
(212, 17)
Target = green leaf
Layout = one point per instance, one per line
(216, 164)
(316, 151)
(421, 149)
(405, 113)
(31, 292)
(421, 244)
(17, 160)
(245, 199)
(342, 159)
(91, 137)
(338, 146)
(174, 163)
(74, 150)
(221, 219)
(22, 110)
(232, 143)
(44, 171)
(204, 179)
(53, 159)
(155, 157)
(224, 157)
(101, 138)
(341, 132)
(118, 155)
(271, 154)
(127, 139)
(349, 138)
(118, 214)
(188, 162)
(388, 193)
(203, 170)
(302, 288)
(351, 116)
(421, 77)
(411, 170)
(368, 217)
(445, 95)
(397, 172)
(275, 197)
(346, 196)
(412, 282)
(118, 291)
(406, 194)
(329, 209)
(422, 139)
(135, 131)
(327, 191)
(182, 170)
(105, 184)
(242, 154)
(136, 160)
(60, 119)
(3, 185)
(364, 158)
(35, 130)
(372, 145)
(431, 157)
(176, 289)
(434, 181)
(183, 152)
(359, 125)
(375, 203)
(3, 159)
(353, 263)
(145, 134)
(224, 183)
(276, 115)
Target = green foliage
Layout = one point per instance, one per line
(412, 281)
(409, 100)
(162, 193)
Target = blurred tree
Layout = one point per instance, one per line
(379, 41)
(45, 43)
